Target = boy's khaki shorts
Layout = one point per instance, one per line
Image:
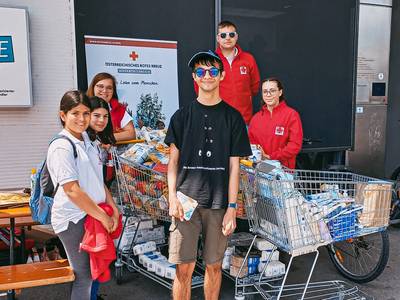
(184, 237)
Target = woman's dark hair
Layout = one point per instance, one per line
(72, 99)
(280, 87)
(99, 77)
(106, 136)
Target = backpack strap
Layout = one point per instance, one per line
(60, 136)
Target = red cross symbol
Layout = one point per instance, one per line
(133, 55)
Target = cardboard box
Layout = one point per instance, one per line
(234, 271)
(252, 260)
(376, 199)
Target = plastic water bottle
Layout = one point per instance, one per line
(33, 179)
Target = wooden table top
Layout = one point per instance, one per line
(8, 213)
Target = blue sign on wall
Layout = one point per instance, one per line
(6, 49)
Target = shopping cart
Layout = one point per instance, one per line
(291, 209)
(142, 193)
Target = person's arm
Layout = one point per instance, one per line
(175, 207)
(255, 78)
(83, 201)
(110, 201)
(126, 133)
(295, 141)
(229, 222)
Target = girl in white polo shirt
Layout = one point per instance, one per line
(80, 189)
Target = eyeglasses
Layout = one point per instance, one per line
(201, 72)
(224, 35)
(270, 92)
(101, 87)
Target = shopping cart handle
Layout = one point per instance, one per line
(130, 142)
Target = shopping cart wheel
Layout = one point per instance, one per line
(119, 274)
(240, 297)
(361, 259)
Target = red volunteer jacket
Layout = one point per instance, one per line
(241, 82)
(100, 245)
(279, 133)
(117, 113)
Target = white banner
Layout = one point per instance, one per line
(15, 73)
(145, 70)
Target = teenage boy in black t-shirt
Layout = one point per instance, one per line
(206, 139)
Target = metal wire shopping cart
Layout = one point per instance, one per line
(299, 211)
(142, 193)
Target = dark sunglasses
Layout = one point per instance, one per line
(223, 35)
(201, 72)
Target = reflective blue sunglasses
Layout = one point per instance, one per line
(201, 72)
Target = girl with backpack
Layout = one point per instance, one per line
(81, 187)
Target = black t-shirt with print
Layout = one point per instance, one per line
(206, 137)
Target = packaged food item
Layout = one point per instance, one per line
(159, 157)
(376, 199)
(188, 205)
(143, 256)
(163, 148)
(170, 272)
(162, 168)
(149, 164)
(234, 271)
(153, 260)
(263, 245)
(273, 269)
(144, 247)
(226, 262)
(265, 255)
(256, 153)
(325, 187)
(161, 267)
(138, 153)
(163, 203)
(252, 260)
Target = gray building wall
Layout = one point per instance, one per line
(392, 158)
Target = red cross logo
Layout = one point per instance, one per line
(133, 55)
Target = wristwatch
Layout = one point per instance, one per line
(232, 205)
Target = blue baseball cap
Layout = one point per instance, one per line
(204, 54)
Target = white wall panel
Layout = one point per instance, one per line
(24, 133)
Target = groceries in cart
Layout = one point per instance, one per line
(151, 135)
(263, 259)
(143, 230)
(315, 208)
(147, 154)
(143, 169)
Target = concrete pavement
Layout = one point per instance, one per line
(136, 286)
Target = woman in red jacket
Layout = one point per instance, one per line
(103, 85)
(276, 128)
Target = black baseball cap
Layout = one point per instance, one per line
(204, 54)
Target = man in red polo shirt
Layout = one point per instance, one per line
(242, 78)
